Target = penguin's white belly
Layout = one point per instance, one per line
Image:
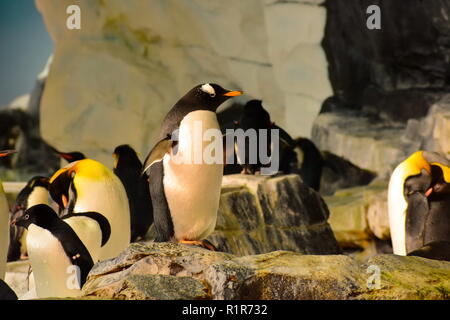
(52, 269)
(397, 207)
(109, 199)
(192, 190)
(4, 231)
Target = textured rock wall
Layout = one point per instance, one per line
(396, 70)
(113, 81)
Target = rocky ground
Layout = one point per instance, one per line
(275, 241)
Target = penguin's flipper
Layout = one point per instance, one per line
(6, 293)
(161, 212)
(416, 215)
(99, 218)
(157, 153)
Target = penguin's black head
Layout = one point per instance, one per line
(125, 154)
(41, 215)
(22, 197)
(255, 116)
(208, 96)
(72, 156)
(417, 184)
(60, 186)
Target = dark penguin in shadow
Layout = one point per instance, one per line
(128, 168)
(35, 192)
(185, 193)
(299, 156)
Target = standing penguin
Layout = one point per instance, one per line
(4, 225)
(88, 185)
(128, 168)
(418, 201)
(35, 192)
(55, 249)
(185, 194)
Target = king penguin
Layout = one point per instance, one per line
(128, 168)
(89, 186)
(185, 194)
(35, 192)
(4, 225)
(418, 203)
(54, 249)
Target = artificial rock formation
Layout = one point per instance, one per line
(112, 81)
(173, 271)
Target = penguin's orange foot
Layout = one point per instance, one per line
(201, 243)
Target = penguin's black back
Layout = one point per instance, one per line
(129, 169)
(311, 168)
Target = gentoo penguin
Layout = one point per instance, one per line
(4, 225)
(35, 192)
(185, 194)
(255, 117)
(89, 186)
(419, 202)
(312, 162)
(69, 156)
(55, 249)
(128, 168)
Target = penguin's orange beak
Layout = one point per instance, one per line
(428, 192)
(5, 153)
(233, 93)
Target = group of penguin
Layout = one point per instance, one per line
(86, 212)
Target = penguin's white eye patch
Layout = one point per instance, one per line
(208, 89)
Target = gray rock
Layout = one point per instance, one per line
(260, 214)
(164, 271)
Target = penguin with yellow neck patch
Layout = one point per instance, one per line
(89, 186)
(185, 194)
(419, 206)
(4, 223)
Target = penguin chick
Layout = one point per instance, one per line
(54, 249)
(128, 168)
(185, 194)
(88, 185)
(35, 192)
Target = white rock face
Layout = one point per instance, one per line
(113, 81)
